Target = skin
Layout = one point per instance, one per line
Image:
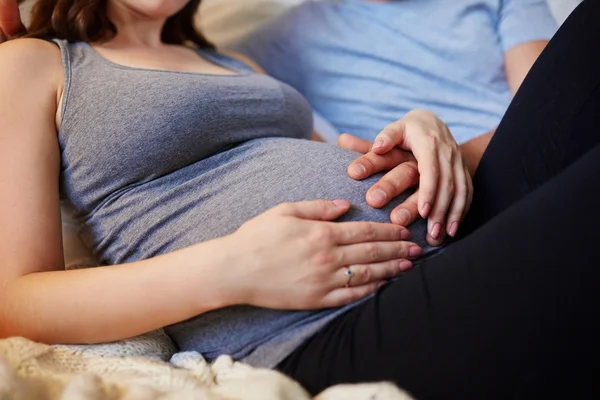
(232, 269)
(447, 211)
(121, 301)
(10, 19)
(447, 207)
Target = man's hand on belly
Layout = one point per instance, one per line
(445, 188)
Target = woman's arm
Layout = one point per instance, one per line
(42, 301)
(38, 298)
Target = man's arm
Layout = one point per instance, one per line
(524, 28)
(519, 59)
(10, 19)
(473, 150)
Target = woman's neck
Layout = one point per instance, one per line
(133, 28)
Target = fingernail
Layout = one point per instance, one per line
(341, 203)
(426, 210)
(378, 144)
(435, 232)
(404, 234)
(378, 196)
(358, 169)
(405, 265)
(453, 229)
(415, 252)
(403, 216)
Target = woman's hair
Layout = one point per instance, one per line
(87, 21)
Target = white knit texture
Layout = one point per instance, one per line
(137, 369)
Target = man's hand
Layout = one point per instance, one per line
(445, 188)
(10, 20)
(403, 174)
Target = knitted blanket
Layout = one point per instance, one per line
(148, 368)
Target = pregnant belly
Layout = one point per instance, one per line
(214, 197)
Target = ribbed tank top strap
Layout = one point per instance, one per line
(67, 60)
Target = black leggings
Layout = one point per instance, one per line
(511, 310)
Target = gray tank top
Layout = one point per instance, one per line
(155, 161)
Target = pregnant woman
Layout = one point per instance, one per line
(177, 161)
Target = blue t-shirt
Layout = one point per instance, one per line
(365, 64)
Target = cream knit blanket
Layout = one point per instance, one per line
(137, 369)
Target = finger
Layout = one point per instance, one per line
(407, 212)
(390, 137)
(375, 252)
(423, 145)
(359, 275)
(459, 201)
(349, 142)
(436, 225)
(347, 233)
(10, 18)
(392, 184)
(318, 210)
(371, 163)
(343, 296)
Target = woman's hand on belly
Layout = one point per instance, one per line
(445, 188)
(293, 257)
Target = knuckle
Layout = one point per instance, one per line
(403, 250)
(432, 139)
(393, 265)
(368, 160)
(372, 251)
(323, 258)
(370, 232)
(323, 235)
(389, 186)
(323, 206)
(434, 170)
(411, 171)
(447, 153)
(449, 184)
(364, 274)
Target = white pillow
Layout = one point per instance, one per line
(225, 22)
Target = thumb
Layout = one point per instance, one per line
(391, 136)
(318, 210)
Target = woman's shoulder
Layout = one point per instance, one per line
(28, 49)
(23, 58)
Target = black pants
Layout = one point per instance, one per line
(512, 309)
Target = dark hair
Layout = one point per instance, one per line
(87, 21)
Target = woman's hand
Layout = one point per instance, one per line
(445, 188)
(292, 257)
(10, 20)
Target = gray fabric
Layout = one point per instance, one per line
(154, 161)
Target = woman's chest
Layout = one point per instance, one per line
(155, 123)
